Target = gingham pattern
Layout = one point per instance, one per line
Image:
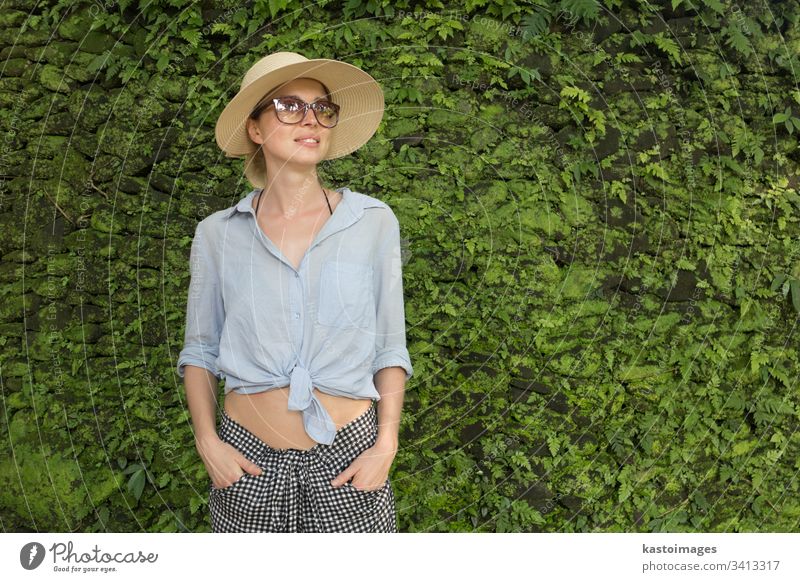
(294, 491)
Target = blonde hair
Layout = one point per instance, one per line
(255, 160)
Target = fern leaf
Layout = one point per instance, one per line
(735, 38)
(586, 9)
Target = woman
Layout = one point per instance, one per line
(296, 299)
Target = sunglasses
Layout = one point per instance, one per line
(291, 110)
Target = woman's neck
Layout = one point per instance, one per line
(290, 195)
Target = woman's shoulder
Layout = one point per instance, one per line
(211, 224)
(368, 201)
(376, 207)
(216, 220)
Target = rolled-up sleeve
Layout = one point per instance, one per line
(390, 337)
(205, 311)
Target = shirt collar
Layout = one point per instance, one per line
(242, 206)
(353, 202)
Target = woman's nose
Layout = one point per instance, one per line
(309, 117)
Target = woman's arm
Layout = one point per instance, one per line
(392, 366)
(201, 396)
(205, 316)
(205, 309)
(390, 383)
(224, 463)
(370, 469)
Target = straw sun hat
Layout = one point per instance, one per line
(358, 95)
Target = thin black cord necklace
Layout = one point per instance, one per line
(323, 191)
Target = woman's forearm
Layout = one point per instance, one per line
(201, 395)
(390, 383)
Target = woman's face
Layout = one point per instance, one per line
(279, 141)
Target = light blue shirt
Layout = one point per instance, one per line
(259, 323)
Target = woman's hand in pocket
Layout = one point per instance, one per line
(369, 470)
(225, 464)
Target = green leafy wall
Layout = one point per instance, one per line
(599, 206)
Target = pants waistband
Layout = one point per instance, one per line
(348, 439)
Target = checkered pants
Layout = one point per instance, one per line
(294, 491)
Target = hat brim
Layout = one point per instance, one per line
(358, 95)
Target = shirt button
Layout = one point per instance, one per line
(297, 315)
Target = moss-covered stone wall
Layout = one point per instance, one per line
(599, 206)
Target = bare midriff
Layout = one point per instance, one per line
(267, 416)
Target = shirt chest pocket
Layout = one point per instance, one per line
(346, 297)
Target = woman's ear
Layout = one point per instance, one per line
(253, 131)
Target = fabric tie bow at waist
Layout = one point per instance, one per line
(316, 420)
